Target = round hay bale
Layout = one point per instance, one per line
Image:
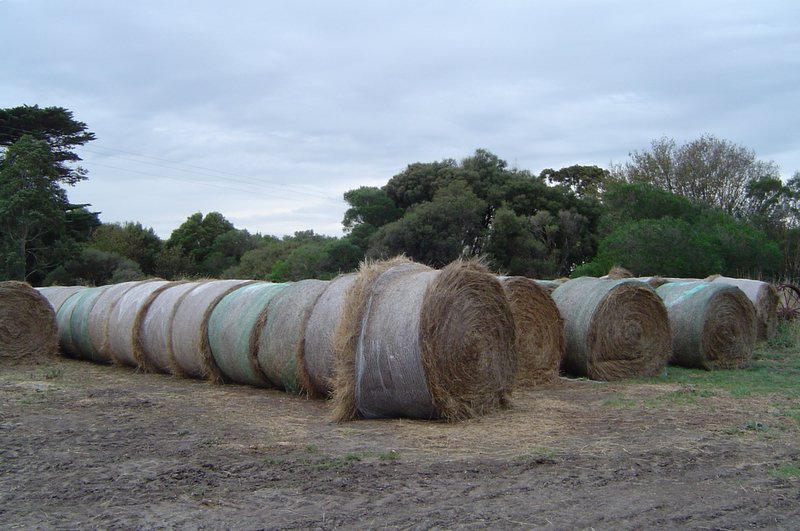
(614, 328)
(429, 344)
(28, 328)
(618, 272)
(97, 316)
(56, 295)
(347, 334)
(124, 320)
(234, 327)
(713, 324)
(539, 331)
(318, 357)
(154, 334)
(281, 343)
(764, 297)
(74, 326)
(190, 349)
(63, 318)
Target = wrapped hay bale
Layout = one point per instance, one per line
(234, 327)
(28, 327)
(56, 295)
(614, 328)
(124, 320)
(282, 340)
(654, 282)
(190, 349)
(617, 273)
(97, 317)
(74, 330)
(713, 324)
(318, 356)
(764, 297)
(420, 343)
(539, 331)
(154, 334)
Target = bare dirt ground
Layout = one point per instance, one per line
(88, 446)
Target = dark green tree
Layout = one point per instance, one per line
(196, 236)
(583, 181)
(131, 240)
(54, 125)
(434, 232)
(33, 209)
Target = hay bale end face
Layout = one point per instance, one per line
(28, 328)
(429, 344)
(614, 328)
(713, 324)
(319, 357)
(764, 297)
(191, 353)
(539, 331)
(234, 327)
(281, 343)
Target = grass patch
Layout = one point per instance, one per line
(391, 455)
(537, 452)
(775, 369)
(786, 472)
(51, 373)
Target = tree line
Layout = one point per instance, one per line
(690, 210)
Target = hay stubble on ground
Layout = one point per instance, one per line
(89, 446)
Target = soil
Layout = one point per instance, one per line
(91, 446)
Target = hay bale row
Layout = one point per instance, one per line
(614, 328)
(28, 328)
(416, 342)
(713, 324)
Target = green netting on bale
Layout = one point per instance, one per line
(124, 319)
(79, 307)
(63, 317)
(56, 295)
(614, 328)
(713, 324)
(155, 330)
(190, 350)
(234, 328)
(281, 342)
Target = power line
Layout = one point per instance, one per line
(234, 178)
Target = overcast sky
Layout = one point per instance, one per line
(268, 111)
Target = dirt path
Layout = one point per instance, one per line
(91, 446)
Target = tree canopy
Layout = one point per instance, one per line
(54, 125)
